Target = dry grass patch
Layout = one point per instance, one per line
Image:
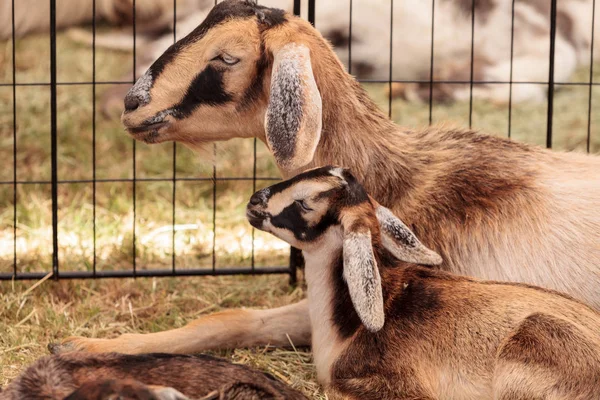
(29, 320)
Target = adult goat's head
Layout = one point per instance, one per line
(244, 72)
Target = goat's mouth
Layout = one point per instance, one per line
(148, 132)
(256, 218)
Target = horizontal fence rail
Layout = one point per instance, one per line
(295, 260)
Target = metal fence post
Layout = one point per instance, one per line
(54, 139)
(551, 75)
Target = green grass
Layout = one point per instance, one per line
(28, 321)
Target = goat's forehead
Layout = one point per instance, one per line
(220, 17)
(283, 196)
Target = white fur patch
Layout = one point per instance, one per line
(363, 280)
(168, 393)
(339, 172)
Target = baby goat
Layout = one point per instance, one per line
(386, 328)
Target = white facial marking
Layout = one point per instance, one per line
(339, 172)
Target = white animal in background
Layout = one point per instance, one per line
(411, 34)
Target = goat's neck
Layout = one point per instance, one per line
(358, 135)
(319, 266)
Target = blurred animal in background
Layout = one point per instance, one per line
(33, 16)
(79, 376)
(491, 41)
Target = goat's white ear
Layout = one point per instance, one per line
(401, 242)
(362, 277)
(294, 115)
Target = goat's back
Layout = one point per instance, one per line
(500, 210)
(449, 332)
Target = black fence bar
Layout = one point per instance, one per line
(350, 39)
(134, 183)
(174, 180)
(145, 273)
(54, 138)
(94, 181)
(431, 62)
(551, 75)
(391, 69)
(471, 75)
(114, 180)
(589, 127)
(14, 183)
(510, 76)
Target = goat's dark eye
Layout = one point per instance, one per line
(303, 204)
(226, 59)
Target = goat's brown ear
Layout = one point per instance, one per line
(362, 275)
(294, 115)
(401, 242)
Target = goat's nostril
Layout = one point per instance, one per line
(255, 200)
(131, 103)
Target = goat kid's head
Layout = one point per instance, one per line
(245, 71)
(330, 199)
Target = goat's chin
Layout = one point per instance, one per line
(149, 137)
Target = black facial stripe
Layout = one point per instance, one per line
(291, 218)
(205, 88)
(267, 17)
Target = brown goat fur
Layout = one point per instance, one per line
(491, 207)
(441, 336)
(78, 376)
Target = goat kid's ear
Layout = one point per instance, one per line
(294, 115)
(362, 276)
(401, 242)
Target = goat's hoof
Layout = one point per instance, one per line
(73, 343)
(58, 348)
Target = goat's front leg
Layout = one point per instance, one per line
(227, 329)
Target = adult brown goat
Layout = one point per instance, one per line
(492, 208)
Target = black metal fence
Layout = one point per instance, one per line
(295, 259)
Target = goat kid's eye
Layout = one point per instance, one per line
(303, 204)
(227, 59)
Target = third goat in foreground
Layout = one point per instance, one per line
(384, 327)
